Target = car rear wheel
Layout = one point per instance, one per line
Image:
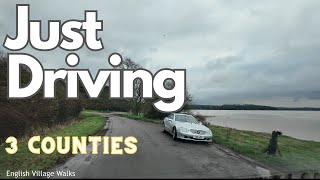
(174, 134)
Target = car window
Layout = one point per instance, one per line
(170, 116)
(186, 118)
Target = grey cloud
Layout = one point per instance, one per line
(221, 63)
(265, 52)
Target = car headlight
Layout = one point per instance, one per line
(209, 132)
(185, 130)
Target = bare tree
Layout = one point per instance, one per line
(127, 63)
(140, 105)
(137, 101)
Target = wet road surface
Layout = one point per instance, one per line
(158, 156)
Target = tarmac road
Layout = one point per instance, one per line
(158, 156)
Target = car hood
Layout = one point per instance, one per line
(191, 126)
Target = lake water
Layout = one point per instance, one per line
(298, 124)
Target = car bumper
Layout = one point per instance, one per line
(194, 137)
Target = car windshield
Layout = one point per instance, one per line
(186, 118)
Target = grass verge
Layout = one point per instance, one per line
(140, 117)
(297, 155)
(25, 160)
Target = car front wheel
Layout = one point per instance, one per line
(174, 134)
(164, 128)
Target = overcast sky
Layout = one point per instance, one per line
(259, 52)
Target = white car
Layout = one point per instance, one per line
(186, 127)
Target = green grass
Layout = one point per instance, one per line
(296, 154)
(25, 160)
(91, 110)
(140, 117)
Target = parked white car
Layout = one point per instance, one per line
(186, 127)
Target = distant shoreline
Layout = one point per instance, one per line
(251, 107)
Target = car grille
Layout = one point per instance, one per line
(201, 132)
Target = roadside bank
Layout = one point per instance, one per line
(89, 124)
